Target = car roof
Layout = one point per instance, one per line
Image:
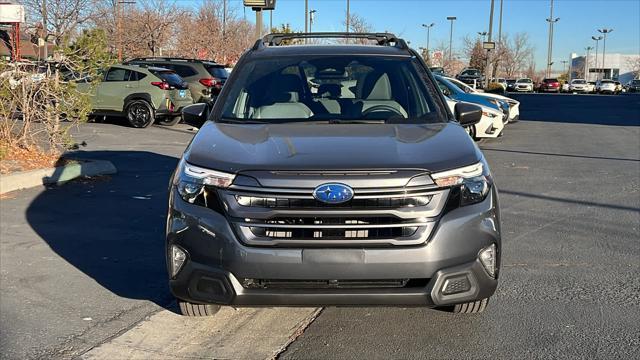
(296, 50)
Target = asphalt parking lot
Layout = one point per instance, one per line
(83, 264)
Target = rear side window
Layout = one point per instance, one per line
(171, 78)
(117, 74)
(183, 70)
(137, 76)
(218, 72)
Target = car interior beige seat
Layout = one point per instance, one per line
(281, 100)
(375, 90)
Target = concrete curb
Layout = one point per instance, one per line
(55, 175)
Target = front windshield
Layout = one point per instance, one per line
(471, 72)
(332, 88)
(526, 81)
(579, 82)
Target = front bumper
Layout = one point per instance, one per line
(218, 264)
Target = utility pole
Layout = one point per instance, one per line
(487, 67)
(270, 20)
(428, 27)
(45, 51)
(348, 14)
(500, 24)
(586, 63)
(564, 67)
(597, 40)
(604, 31)
(306, 16)
(224, 30)
(551, 22)
(452, 19)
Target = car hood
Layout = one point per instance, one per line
(235, 147)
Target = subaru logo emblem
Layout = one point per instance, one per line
(333, 193)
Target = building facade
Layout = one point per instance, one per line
(618, 67)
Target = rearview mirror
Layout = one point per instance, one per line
(468, 114)
(195, 115)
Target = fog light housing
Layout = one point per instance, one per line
(488, 259)
(178, 258)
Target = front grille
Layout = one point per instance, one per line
(292, 217)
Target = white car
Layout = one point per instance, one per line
(490, 125)
(591, 87)
(606, 86)
(514, 105)
(579, 86)
(524, 84)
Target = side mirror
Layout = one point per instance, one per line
(195, 115)
(467, 114)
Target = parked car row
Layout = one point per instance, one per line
(148, 90)
(575, 86)
(497, 110)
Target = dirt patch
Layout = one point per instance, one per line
(14, 158)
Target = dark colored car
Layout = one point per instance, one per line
(364, 191)
(205, 78)
(438, 70)
(511, 84)
(549, 85)
(472, 77)
(633, 86)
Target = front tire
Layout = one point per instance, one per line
(197, 310)
(140, 114)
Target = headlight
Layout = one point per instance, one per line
(488, 114)
(474, 181)
(191, 180)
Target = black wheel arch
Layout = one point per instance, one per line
(137, 96)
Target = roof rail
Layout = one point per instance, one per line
(383, 39)
(166, 58)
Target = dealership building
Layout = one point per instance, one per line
(616, 66)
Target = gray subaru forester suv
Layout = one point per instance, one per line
(332, 174)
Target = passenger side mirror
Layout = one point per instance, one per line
(195, 115)
(467, 114)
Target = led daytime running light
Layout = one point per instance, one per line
(457, 176)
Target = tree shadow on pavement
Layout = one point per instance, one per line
(112, 228)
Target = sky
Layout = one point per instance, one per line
(579, 20)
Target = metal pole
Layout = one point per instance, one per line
(586, 63)
(270, 20)
(348, 14)
(597, 40)
(428, 36)
(500, 25)
(45, 51)
(488, 75)
(311, 16)
(224, 19)
(306, 16)
(605, 31)
(258, 24)
(550, 20)
(452, 19)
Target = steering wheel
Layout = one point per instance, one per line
(381, 108)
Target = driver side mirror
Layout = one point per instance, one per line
(467, 114)
(195, 114)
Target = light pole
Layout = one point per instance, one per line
(564, 67)
(348, 15)
(452, 19)
(482, 34)
(312, 14)
(604, 31)
(597, 40)
(306, 16)
(428, 27)
(489, 75)
(586, 63)
(551, 22)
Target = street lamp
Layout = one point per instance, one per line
(586, 63)
(564, 67)
(428, 27)
(312, 14)
(452, 19)
(483, 34)
(551, 22)
(604, 31)
(597, 40)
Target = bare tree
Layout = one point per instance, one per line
(634, 65)
(516, 54)
(64, 17)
